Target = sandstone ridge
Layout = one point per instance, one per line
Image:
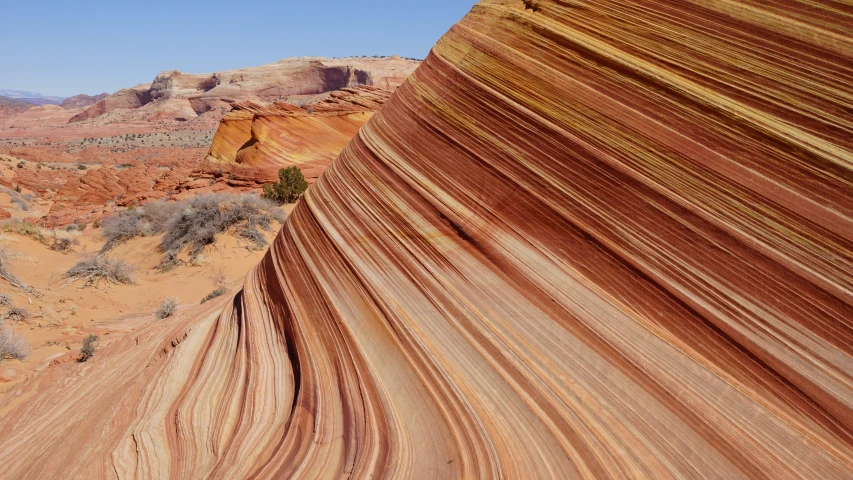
(606, 239)
(255, 140)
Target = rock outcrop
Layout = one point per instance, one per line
(265, 138)
(82, 100)
(281, 80)
(126, 98)
(606, 239)
(40, 181)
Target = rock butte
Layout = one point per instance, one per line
(184, 96)
(585, 239)
(265, 138)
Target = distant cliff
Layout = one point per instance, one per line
(289, 78)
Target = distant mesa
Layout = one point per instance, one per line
(81, 101)
(293, 79)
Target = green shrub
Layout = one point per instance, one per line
(290, 186)
(81, 167)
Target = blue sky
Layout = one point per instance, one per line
(68, 47)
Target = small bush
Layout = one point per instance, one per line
(63, 244)
(195, 223)
(16, 314)
(134, 222)
(290, 186)
(167, 308)
(12, 345)
(87, 351)
(159, 212)
(120, 228)
(95, 269)
(25, 229)
(206, 216)
(5, 274)
(216, 293)
(96, 223)
(18, 188)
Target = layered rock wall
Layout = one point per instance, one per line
(286, 78)
(606, 239)
(261, 139)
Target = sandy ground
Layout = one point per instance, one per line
(64, 314)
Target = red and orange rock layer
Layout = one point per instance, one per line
(266, 138)
(606, 239)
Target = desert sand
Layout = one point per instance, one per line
(63, 313)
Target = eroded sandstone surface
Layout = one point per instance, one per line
(254, 141)
(606, 239)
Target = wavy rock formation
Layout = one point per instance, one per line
(265, 138)
(40, 181)
(599, 239)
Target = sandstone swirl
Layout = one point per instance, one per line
(599, 239)
(265, 138)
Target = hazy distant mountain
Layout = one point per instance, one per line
(30, 97)
(4, 92)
